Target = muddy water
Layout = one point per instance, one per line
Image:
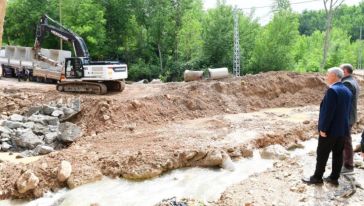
(198, 183)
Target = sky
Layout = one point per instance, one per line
(265, 14)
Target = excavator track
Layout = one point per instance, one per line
(115, 86)
(82, 87)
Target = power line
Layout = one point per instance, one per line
(236, 60)
(271, 6)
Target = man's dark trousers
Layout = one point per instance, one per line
(348, 151)
(324, 147)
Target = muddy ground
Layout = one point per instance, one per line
(151, 129)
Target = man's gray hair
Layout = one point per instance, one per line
(337, 71)
(348, 67)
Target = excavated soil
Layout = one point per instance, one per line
(151, 129)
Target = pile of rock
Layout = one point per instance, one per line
(41, 130)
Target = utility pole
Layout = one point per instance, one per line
(60, 21)
(330, 8)
(2, 17)
(236, 60)
(360, 55)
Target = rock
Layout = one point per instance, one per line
(4, 136)
(274, 152)
(69, 132)
(106, 117)
(156, 81)
(26, 153)
(51, 137)
(43, 149)
(298, 188)
(16, 118)
(29, 125)
(57, 113)
(12, 125)
(4, 130)
(295, 146)
(33, 110)
(53, 128)
(68, 111)
(27, 181)
(76, 105)
(83, 176)
(136, 104)
(40, 129)
(246, 152)
(48, 110)
(43, 119)
(64, 171)
(27, 139)
(5, 146)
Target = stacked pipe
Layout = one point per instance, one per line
(214, 74)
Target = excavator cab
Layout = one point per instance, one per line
(74, 68)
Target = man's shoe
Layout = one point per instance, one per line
(331, 181)
(345, 170)
(312, 180)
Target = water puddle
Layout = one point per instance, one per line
(11, 157)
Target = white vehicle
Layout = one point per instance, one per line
(80, 74)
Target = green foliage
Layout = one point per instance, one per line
(275, 43)
(308, 52)
(21, 20)
(161, 39)
(218, 36)
(86, 18)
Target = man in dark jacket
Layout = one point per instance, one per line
(353, 86)
(333, 127)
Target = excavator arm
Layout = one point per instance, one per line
(48, 25)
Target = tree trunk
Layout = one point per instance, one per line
(160, 57)
(2, 17)
(327, 39)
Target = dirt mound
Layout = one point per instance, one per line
(180, 101)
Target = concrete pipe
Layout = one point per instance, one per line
(192, 75)
(218, 73)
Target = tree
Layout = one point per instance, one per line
(311, 21)
(275, 44)
(2, 16)
(218, 36)
(330, 8)
(86, 18)
(282, 5)
(190, 37)
(22, 17)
